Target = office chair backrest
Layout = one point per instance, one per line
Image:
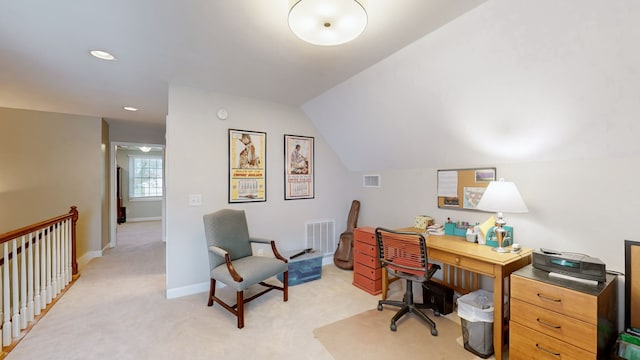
(227, 229)
(404, 252)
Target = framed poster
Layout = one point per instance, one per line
(247, 166)
(299, 167)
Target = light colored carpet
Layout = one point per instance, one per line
(117, 310)
(367, 336)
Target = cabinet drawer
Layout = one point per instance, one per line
(559, 299)
(365, 235)
(525, 343)
(561, 327)
(462, 262)
(366, 249)
(368, 272)
(366, 260)
(373, 287)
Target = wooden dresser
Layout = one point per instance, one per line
(554, 318)
(367, 274)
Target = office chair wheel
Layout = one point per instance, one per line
(434, 332)
(379, 307)
(393, 326)
(436, 312)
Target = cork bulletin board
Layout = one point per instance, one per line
(463, 188)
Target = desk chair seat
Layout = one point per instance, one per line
(404, 254)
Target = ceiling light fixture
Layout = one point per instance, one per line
(130, 108)
(327, 22)
(145, 148)
(102, 55)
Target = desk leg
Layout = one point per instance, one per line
(385, 283)
(498, 312)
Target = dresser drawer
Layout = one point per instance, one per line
(525, 343)
(462, 262)
(365, 235)
(366, 260)
(371, 286)
(559, 299)
(366, 249)
(368, 272)
(561, 327)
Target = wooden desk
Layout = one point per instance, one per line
(457, 254)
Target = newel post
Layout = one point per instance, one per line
(74, 220)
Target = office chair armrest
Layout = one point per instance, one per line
(219, 251)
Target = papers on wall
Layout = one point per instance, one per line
(448, 183)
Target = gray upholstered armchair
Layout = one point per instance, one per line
(231, 260)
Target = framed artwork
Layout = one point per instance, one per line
(247, 166)
(299, 167)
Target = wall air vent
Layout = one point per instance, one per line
(371, 181)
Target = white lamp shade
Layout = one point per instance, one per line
(327, 22)
(502, 196)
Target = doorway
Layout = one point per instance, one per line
(136, 195)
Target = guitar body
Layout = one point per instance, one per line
(343, 257)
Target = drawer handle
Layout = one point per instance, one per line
(547, 350)
(546, 323)
(549, 298)
(457, 260)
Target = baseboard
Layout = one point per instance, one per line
(153, 218)
(187, 290)
(88, 256)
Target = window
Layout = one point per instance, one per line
(145, 176)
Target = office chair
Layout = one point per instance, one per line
(231, 260)
(404, 255)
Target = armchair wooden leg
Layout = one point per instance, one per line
(240, 309)
(212, 292)
(285, 285)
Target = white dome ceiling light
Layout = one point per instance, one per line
(327, 22)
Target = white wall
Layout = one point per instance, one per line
(197, 163)
(546, 91)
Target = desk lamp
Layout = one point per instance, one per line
(501, 196)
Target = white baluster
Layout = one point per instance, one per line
(67, 252)
(6, 299)
(48, 261)
(37, 300)
(23, 282)
(43, 269)
(30, 302)
(15, 301)
(54, 254)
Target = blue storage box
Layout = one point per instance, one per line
(490, 237)
(303, 268)
(453, 229)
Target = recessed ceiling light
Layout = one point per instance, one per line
(130, 108)
(102, 55)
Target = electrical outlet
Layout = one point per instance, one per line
(195, 200)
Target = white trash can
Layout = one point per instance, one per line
(476, 317)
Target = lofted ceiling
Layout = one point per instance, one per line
(239, 47)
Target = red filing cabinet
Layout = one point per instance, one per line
(367, 274)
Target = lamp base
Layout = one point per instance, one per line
(500, 249)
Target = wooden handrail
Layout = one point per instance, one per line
(72, 214)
